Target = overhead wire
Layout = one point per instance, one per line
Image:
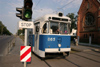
(64, 5)
(37, 4)
(57, 9)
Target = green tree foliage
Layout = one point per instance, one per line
(20, 31)
(4, 30)
(73, 20)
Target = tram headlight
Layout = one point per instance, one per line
(49, 18)
(59, 45)
(60, 14)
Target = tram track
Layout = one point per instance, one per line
(61, 60)
(91, 54)
(56, 60)
(96, 54)
(71, 61)
(87, 58)
(88, 52)
(47, 63)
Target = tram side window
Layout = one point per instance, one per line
(37, 28)
(68, 28)
(44, 29)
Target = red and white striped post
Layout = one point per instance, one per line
(25, 64)
(25, 54)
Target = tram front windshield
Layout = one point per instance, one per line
(58, 28)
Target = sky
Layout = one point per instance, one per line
(40, 8)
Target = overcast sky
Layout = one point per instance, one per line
(40, 8)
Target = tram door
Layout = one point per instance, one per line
(37, 37)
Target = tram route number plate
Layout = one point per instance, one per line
(25, 24)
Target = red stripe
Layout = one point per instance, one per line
(29, 60)
(25, 54)
(22, 47)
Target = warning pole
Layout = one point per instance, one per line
(25, 41)
(26, 35)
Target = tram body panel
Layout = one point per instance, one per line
(54, 42)
(33, 43)
(50, 44)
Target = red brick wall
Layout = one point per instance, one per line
(93, 7)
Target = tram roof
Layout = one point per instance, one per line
(48, 17)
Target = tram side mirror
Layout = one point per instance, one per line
(37, 28)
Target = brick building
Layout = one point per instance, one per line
(89, 21)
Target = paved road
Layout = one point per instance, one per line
(76, 59)
(4, 43)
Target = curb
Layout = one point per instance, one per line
(92, 45)
(80, 50)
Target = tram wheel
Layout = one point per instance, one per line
(42, 58)
(67, 53)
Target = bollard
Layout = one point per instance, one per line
(78, 39)
(89, 40)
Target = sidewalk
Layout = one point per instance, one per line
(13, 58)
(84, 47)
(92, 45)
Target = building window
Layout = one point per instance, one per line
(86, 36)
(90, 35)
(93, 36)
(88, 6)
(89, 19)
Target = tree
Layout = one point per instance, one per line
(4, 30)
(20, 31)
(73, 18)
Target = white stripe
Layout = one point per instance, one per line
(51, 49)
(41, 53)
(57, 50)
(65, 49)
(26, 57)
(24, 50)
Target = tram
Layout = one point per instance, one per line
(51, 35)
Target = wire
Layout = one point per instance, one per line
(67, 4)
(64, 5)
(37, 4)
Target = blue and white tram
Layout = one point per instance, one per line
(51, 35)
